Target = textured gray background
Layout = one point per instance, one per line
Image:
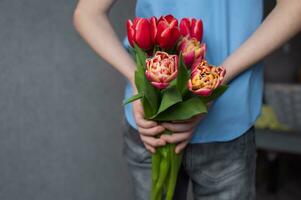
(60, 104)
(60, 121)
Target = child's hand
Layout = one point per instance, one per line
(182, 132)
(147, 129)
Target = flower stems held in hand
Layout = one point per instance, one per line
(174, 82)
(164, 169)
(156, 159)
(173, 174)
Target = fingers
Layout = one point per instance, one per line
(181, 139)
(151, 131)
(177, 137)
(183, 126)
(143, 123)
(181, 146)
(149, 148)
(139, 116)
(151, 141)
(192, 119)
(178, 127)
(146, 127)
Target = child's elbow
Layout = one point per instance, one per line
(77, 15)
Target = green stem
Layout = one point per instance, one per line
(156, 158)
(164, 169)
(173, 174)
(175, 160)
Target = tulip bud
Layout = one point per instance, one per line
(161, 69)
(192, 50)
(167, 31)
(205, 78)
(140, 33)
(192, 27)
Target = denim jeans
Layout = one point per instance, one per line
(217, 171)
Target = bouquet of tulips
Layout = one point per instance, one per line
(174, 82)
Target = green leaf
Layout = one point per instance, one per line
(173, 83)
(182, 77)
(215, 94)
(133, 98)
(150, 93)
(183, 110)
(148, 108)
(170, 97)
(140, 57)
(151, 96)
(139, 80)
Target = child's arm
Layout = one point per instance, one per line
(281, 24)
(91, 21)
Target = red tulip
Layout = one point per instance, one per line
(139, 33)
(205, 78)
(165, 31)
(192, 50)
(161, 69)
(192, 27)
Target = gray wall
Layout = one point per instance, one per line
(61, 112)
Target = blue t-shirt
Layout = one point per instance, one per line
(227, 24)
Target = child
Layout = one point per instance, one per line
(220, 151)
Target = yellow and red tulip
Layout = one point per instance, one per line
(192, 27)
(192, 50)
(205, 78)
(161, 69)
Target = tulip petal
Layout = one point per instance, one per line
(203, 92)
(161, 69)
(175, 35)
(142, 34)
(160, 85)
(164, 38)
(149, 76)
(169, 18)
(136, 20)
(168, 38)
(167, 32)
(203, 49)
(161, 26)
(189, 58)
(196, 64)
(197, 30)
(189, 85)
(222, 71)
(184, 27)
(171, 77)
(174, 23)
(154, 30)
(181, 45)
(130, 32)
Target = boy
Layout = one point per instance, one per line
(220, 152)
